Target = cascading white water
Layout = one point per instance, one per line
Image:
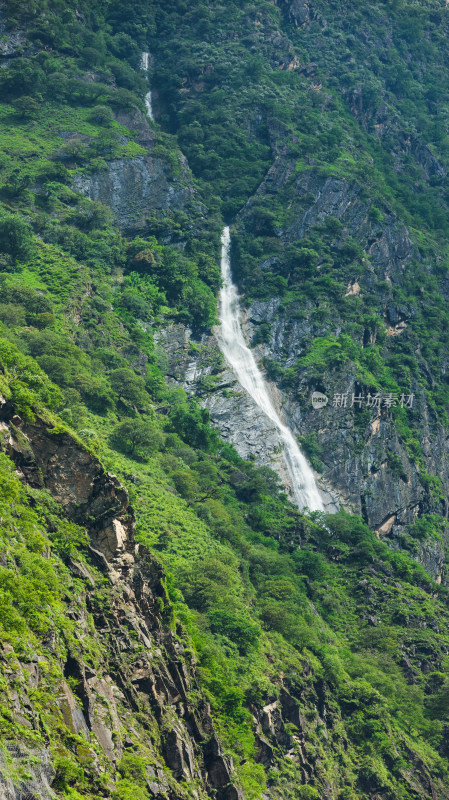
(243, 363)
(149, 105)
(148, 96)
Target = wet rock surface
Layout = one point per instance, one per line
(202, 371)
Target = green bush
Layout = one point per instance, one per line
(310, 563)
(16, 238)
(133, 767)
(129, 387)
(125, 789)
(244, 633)
(137, 438)
(27, 107)
(192, 424)
(102, 115)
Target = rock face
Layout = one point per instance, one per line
(136, 188)
(362, 456)
(133, 189)
(387, 243)
(202, 371)
(143, 669)
(357, 461)
(89, 496)
(19, 758)
(11, 42)
(298, 11)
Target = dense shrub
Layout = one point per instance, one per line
(137, 438)
(129, 387)
(16, 237)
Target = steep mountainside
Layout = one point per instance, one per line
(171, 625)
(341, 248)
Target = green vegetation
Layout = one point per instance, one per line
(271, 603)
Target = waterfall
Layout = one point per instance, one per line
(149, 105)
(243, 363)
(145, 65)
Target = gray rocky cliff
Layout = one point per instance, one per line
(365, 467)
(201, 370)
(12, 43)
(137, 187)
(362, 456)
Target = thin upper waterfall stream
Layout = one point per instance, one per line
(148, 97)
(243, 363)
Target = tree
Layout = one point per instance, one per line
(201, 305)
(92, 215)
(58, 86)
(129, 387)
(310, 563)
(91, 56)
(192, 424)
(12, 315)
(136, 438)
(241, 630)
(74, 150)
(102, 115)
(16, 237)
(26, 106)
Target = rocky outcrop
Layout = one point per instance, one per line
(11, 42)
(136, 188)
(90, 496)
(17, 759)
(297, 11)
(387, 243)
(143, 670)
